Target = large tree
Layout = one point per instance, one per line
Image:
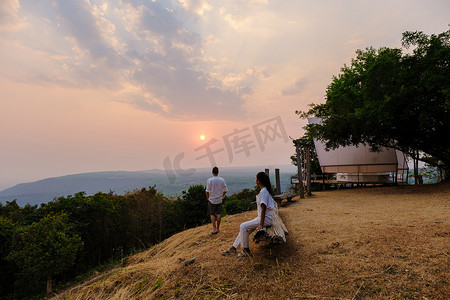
(46, 248)
(387, 98)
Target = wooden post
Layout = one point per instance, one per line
(277, 180)
(299, 170)
(416, 166)
(308, 170)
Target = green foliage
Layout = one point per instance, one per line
(11, 210)
(7, 232)
(146, 208)
(71, 235)
(45, 248)
(434, 169)
(174, 216)
(240, 202)
(93, 218)
(158, 283)
(385, 98)
(195, 206)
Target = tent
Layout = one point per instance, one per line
(359, 164)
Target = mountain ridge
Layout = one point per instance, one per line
(121, 182)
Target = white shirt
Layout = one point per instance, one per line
(265, 197)
(215, 186)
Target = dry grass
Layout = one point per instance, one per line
(389, 242)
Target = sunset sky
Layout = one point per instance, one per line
(109, 85)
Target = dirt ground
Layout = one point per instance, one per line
(365, 243)
(373, 242)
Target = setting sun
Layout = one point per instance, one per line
(202, 137)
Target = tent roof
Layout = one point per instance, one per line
(357, 159)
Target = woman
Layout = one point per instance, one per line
(265, 204)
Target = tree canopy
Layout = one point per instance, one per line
(70, 236)
(387, 98)
(46, 248)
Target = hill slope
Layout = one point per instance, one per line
(387, 242)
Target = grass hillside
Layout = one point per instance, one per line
(389, 242)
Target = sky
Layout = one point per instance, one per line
(91, 85)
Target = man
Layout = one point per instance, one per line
(216, 188)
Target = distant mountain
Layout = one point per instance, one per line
(120, 182)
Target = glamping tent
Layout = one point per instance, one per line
(357, 164)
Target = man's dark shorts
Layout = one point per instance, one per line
(215, 209)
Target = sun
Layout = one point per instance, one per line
(202, 137)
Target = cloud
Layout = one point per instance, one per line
(92, 32)
(173, 71)
(295, 88)
(9, 18)
(197, 7)
(193, 59)
(122, 43)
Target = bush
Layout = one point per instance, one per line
(240, 202)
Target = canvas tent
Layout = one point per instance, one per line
(358, 163)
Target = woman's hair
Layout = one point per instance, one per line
(265, 181)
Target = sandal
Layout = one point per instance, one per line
(244, 253)
(228, 252)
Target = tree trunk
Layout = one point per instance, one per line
(49, 284)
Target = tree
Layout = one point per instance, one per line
(7, 231)
(147, 212)
(389, 99)
(195, 206)
(46, 248)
